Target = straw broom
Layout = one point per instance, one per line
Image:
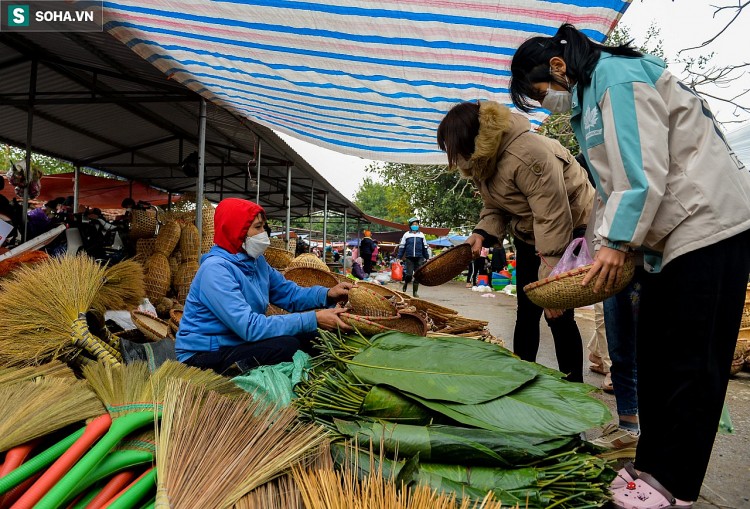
(131, 395)
(51, 369)
(324, 488)
(212, 450)
(44, 311)
(41, 407)
(123, 287)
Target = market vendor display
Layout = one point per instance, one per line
(224, 322)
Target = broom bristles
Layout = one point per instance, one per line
(40, 304)
(54, 369)
(123, 287)
(212, 450)
(36, 408)
(207, 378)
(120, 385)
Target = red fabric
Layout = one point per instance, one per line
(99, 192)
(232, 220)
(440, 232)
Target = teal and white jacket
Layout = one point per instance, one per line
(668, 180)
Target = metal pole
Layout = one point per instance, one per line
(257, 175)
(201, 169)
(344, 248)
(312, 205)
(76, 187)
(29, 130)
(288, 202)
(325, 223)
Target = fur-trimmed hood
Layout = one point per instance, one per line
(498, 127)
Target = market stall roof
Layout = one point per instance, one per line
(98, 104)
(369, 78)
(739, 140)
(93, 191)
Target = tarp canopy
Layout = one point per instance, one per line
(405, 227)
(371, 78)
(448, 241)
(739, 140)
(100, 192)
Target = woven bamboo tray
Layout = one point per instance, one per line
(371, 325)
(308, 260)
(307, 277)
(564, 291)
(365, 302)
(432, 309)
(445, 266)
(175, 315)
(153, 328)
(277, 258)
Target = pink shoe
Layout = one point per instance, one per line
(645, 492)
(626, 474)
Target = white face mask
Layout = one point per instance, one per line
(557, 101)
(256, 245)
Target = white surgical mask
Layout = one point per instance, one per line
(256, 245)
(557, 101)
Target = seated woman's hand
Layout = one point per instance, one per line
(340, 292)
(328, 319)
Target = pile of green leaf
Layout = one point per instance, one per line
(461, 415)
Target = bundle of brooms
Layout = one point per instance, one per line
(44, 311)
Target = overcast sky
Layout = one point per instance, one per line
(683, 23)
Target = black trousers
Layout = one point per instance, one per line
(367, 264)
(565, 333)
(689, 318)
(248, 355)
(411, 264)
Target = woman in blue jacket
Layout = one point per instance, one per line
(673, 191)
(224, 323)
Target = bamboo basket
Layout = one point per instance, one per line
(184, 277)
(169, 236)
(143, 224)
(175, 315)
(309, 260)
(307, 277)
(432, 309)
(397, 299)
(157, 277)
(272, 310)
(564, 291)
(277, 258)
(460, 325)
(741, 350)
(144, 248)
(365, 302)
(207, 241)
(445, 266)
(190, 242)
(152, 327)
(370, 325)
(174, 264)
(746, 311)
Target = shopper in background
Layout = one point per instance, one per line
(366, 248)
(413, 249)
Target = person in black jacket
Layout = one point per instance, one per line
(414, 251)
(366, 248)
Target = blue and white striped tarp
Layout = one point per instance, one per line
(367, 78)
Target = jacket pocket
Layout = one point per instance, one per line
(669, 215)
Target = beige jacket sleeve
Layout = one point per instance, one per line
(492, 221)
(543, 184)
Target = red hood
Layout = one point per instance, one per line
(232, 221)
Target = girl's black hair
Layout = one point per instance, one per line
(530, 63)
(457, 130)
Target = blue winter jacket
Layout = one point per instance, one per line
(413, 245)
(227, 302)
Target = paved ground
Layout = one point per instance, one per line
(727, 483)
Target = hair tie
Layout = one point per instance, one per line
(563, 41)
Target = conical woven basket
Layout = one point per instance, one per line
(365, 302)
(144, 248)
(309, 260)
(184, 277)
(307, 277)
(157, 276)
(564, 291)
(370, 325)
(396, 298)
(190, 242)
(174, 264)
(277, 258)
(143, 224)
(746, 311)
(175, 315)
(169, 236)
(445, 266)
(153, 328)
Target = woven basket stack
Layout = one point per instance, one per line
(742, 349)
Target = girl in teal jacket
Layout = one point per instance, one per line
(673, 190)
